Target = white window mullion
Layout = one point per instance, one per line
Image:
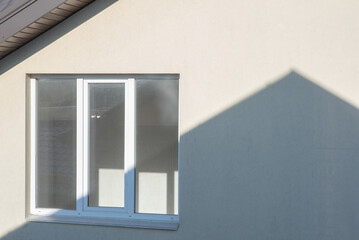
(33, 144)
(130, 146)
(85, 135)
(79, 149)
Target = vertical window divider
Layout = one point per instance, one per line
(85, 156)
(33, 143)
(80, 196)
(130, 146)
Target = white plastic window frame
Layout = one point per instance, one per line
(84, 214)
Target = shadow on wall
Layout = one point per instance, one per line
(53, 34)
(282, 164)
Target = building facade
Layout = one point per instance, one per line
(268, 115)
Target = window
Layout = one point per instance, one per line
(103, 150)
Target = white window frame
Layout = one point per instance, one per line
(85, 214)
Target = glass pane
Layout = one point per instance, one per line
(106, 144)
(156, 146)
(56, 144)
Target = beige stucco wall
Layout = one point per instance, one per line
(227, 52)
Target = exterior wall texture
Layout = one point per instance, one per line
(269, 118)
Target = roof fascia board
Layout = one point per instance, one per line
(27, 16)
(12, 9)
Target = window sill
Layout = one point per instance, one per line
(131, 223)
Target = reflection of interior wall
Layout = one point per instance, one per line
(151, 192)
(56, 167)
(111, 187)
(106, 152)
(156, 163)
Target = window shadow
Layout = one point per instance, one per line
(53, 34)
(281, 164)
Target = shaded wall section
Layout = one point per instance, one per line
(282, 164)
